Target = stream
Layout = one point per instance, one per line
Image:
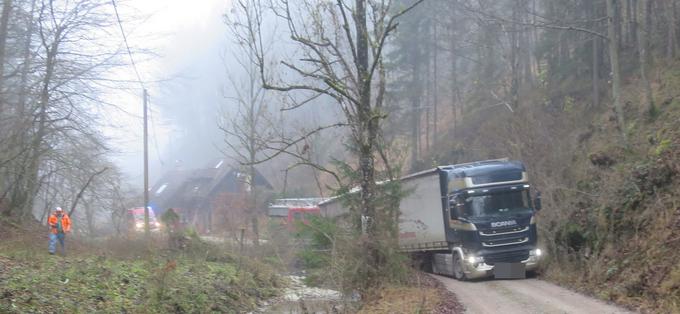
(299, 298)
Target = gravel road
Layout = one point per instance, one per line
(523, 296)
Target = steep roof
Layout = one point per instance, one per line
(195, 188)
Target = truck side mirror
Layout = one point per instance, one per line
(537, 201)
(454, 212)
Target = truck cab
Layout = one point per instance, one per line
(491, 221)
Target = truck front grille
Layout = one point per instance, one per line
(506, 257)
(504, 242)
(493, 232)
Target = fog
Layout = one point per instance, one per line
(186, 80)
(190, 74)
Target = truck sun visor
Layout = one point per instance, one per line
(497, 177)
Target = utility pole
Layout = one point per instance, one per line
(146, 168)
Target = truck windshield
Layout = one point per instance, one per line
(497, 204)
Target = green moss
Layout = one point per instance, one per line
(662, 147)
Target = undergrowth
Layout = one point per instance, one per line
(130, 276)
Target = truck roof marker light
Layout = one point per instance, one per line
(471, 191)
(526, 186)
(513, 188)
(484, 191)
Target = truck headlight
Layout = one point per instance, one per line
(537, 252)
(139, 225)
(475, 259)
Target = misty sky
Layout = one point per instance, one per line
(190, 38)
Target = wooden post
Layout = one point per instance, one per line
(146, 169)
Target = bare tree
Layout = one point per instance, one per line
(340, 58)
(248, 128)
(59, 68)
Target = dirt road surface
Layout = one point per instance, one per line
(523, 296)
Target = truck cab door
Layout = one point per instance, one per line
(456, 209)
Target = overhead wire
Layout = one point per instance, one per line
(155, 141)
(139, 78)
(127, 46)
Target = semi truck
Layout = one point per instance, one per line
(469, 220)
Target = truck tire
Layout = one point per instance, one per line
(458, 272)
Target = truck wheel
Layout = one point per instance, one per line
(458, 272)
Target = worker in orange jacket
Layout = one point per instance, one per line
(60, 224)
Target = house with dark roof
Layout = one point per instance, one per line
(196, 193)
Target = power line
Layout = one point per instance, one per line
(155, 141)
(139, 78)
(127, 46)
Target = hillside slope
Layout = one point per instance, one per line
(612, 211)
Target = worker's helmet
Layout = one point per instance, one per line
(58, 209)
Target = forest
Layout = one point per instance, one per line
(353, 93)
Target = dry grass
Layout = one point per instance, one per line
(403, 300)
(422, 294)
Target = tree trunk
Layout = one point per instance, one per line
(671, 43)
(427, 90)
(514, 60)
(628, 25)
(415, 115)
(89, 217)
(596, 59)
(616, 69)
(252, 155)
(4, 23)
(428, 96)
(527, 45)
(365, 137)
(435, 82)
(643, 46)
(634, 23)
(596, 71)
(26, 65)
(455, 90)
(618, 22)
(252, 200)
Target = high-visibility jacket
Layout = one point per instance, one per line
(65, 223)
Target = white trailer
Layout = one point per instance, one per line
(422, 212)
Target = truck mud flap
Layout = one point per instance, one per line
(509, 271)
